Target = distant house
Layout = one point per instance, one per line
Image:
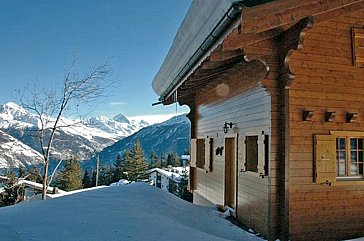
(163, 179)
(31, 189)
(276, 94)
(185, 160)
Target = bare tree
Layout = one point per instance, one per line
(49, 106)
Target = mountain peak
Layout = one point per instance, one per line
(121, 118)
(11, 106)
(12, 110)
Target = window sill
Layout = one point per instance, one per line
(349, 182)
(251, 173)
(201, 169)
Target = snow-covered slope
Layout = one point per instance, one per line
(14, 153)
(132, 212)
(73, 138)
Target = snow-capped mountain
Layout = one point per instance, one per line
(14, 153)
(171, 136)
(73, 138)
(119, 125)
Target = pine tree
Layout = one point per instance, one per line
(70, 177)
(13, 192)
(136, 165)
(118, 170)
(34, 175)
(86, 180)
(93, 178)
(105, 175)
(21, 172)
(154, 160)
(182, 188)
(173, 160)
(162, 160)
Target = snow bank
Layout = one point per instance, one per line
(131, 212)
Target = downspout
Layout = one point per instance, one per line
(233, 12)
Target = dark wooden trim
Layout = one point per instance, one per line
(288, 42)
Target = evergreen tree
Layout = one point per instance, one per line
(13, 193)
(21, 172)
(173, 160)
(34, 175)
(93, 178)
(70, 177)
(105, 175)
(182, 188)
(118, 170)
(162, 160)
(136, 165)
(154, 160)
(86, 180)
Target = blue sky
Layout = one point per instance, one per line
(38, 40)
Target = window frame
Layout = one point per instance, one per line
(201, 153)
(262, 152)
(326, 162)
(358, 37)
(348, 157)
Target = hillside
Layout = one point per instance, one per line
(171, 136)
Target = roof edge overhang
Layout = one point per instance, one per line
(228, 22)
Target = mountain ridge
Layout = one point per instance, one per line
(171, 136)
(73, 137)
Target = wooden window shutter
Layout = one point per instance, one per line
(358, 47)
(325, 159)
(241, 153)
(261, 154)
(192, 179)
(208, 156)
(193, 152)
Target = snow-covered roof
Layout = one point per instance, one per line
(200, 21)
(202, 30)
(172, 175)
(131, 212)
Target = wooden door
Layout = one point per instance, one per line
(230, 173)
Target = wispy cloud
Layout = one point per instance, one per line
(117, 103)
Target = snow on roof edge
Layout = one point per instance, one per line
(200, 20)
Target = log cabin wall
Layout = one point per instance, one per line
(247, 105)
(325, 81)
(267, 50)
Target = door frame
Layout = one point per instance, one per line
(234, 137)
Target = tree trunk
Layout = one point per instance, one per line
(45, 181)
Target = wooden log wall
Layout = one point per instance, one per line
(247, 105)
(267, 51)
(325, 80)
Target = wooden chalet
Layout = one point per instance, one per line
(276, 97)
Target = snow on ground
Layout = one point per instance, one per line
(131, 212)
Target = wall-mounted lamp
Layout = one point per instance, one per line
(227, 126)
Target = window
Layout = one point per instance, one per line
(252, 153)
(201, 153)
(358, 47)
(349, 156)
(339, 156)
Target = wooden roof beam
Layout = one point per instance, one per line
(222, 55)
